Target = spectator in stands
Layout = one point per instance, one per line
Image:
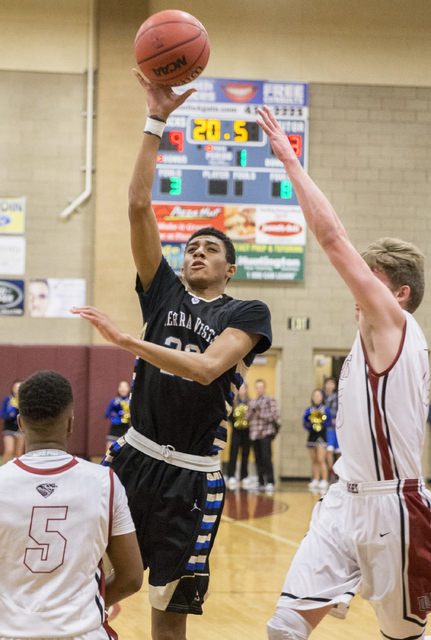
(240, 440)
(13, 437)
(330, 394)
(118, 411)
(262, 415)
(316, 419)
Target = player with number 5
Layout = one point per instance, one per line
(196, 347)
(58, 516)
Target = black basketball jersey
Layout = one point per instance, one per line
(176, 411)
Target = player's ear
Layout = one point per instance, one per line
(70, 425)
(403, 294)
(230, 271)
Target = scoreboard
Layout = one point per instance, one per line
(216, 167)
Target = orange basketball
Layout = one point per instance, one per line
(172, 48)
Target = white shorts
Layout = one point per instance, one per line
(104, 632)
(373, 539)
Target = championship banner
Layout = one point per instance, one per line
(216, 167)
(12, 214)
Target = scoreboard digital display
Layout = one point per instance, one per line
(216, 167)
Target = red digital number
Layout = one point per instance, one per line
(296, 142)
(177, 139)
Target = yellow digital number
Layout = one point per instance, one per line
(200, 129)
(241, 132)
(213, 130)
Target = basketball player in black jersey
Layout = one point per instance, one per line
(196, 347)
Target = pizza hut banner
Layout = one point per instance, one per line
(269, 240)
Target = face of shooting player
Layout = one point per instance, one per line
(205, 263)
(38, 298)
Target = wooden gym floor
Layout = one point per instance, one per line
(255, 544)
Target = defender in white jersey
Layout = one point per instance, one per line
(371, 533)
(58, 516)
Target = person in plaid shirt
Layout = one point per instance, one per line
(262, 414)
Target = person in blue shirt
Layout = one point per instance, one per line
(330, 395)
(316, 419)
(118, 412)
(13, 437)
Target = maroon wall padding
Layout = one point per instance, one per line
(94, 373)
(19, 362)
(107, 367)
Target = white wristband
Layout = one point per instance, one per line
(155, 126)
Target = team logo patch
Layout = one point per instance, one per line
(46, 490)
(195, 300)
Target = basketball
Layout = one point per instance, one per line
(172, 48)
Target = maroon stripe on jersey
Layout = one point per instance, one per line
(111, 502)
(381, 438)
(392, 365)
(46, 472)
(419, 551)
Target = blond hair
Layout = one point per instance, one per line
(402, 263)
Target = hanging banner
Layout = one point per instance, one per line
(12, 255)
(12, 214)
(11, 297)
(54, 297)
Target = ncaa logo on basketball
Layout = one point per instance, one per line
(171, 67)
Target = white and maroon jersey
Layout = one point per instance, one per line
(57, 514)
(381, 416)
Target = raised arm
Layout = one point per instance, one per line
(381, 319)
(144, 234)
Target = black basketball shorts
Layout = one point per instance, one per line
(176, 512)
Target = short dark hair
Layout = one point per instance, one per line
(212, 231)
(44, 396)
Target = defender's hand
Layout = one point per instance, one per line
(279, 140)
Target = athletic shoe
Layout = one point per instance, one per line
(246, 483)
(314, 484)
(232, 483)
(269, 488)
(323, 486)
(261, 487)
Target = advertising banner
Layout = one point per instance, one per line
(11, 297)
(12, 214)
(12, 255)
(54, 297)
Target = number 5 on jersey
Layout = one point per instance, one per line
(48, 555)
